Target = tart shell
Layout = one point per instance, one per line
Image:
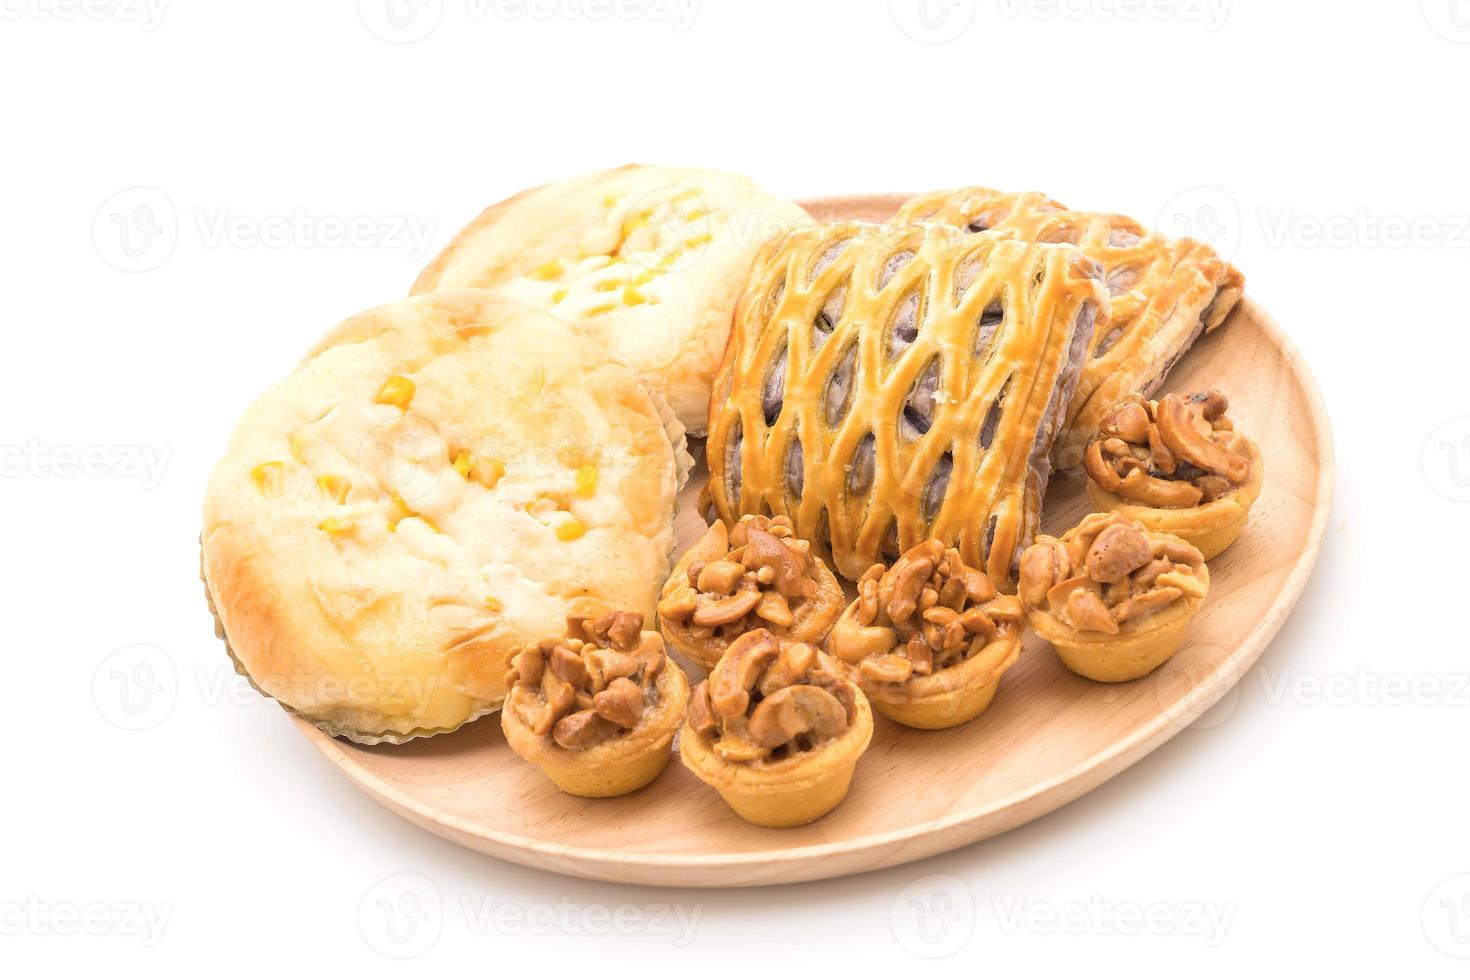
(1128, 655)
(789, 793)
(1210, 527)
(952, 696)
(619, 765)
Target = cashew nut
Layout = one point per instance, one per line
(801, 709)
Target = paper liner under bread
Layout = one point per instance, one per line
(336, 731)
(683, 466)
(677, 432)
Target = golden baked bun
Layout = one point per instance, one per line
(648, 260)
(442, 481)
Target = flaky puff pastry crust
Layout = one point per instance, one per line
(884, 385)
(1165, 292)
(647, 260)
(440, 482)
(813, 616)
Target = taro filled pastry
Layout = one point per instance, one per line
(886, 385)
(1164, 292)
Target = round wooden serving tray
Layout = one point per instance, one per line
(1049, 737)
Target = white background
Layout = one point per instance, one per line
(1315, 819)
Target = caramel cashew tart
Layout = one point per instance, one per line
(598, 708)
(758, 576)
(1111, 596)
(1176, 465)
(777, 729)
(929, 637)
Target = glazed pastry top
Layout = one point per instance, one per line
(1179, 451)
(926, 613)
(592, 685)
(884, 385)
(1109, 574)
(768, 701)
(1164, 291)
(765, 579)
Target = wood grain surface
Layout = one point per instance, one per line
(1049, 737)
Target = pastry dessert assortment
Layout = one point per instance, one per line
(757, 575)
(885, 385)
(1112, 597)
(1176, 465)
(427, 493)
(647, 261)
(777, 729)
(1164, 292)
(929, 637)
(464, 501)
(598, 708)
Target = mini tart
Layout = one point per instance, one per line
(1112, 597)
(777, 729)
(758, 576)
(929, 637)
(1176, 465)
(596, 710)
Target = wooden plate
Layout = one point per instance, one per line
(1048, 738)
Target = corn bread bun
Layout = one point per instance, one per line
(442, 481)
(648, 260)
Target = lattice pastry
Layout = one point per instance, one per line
(884, 385)
(1165, 292)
